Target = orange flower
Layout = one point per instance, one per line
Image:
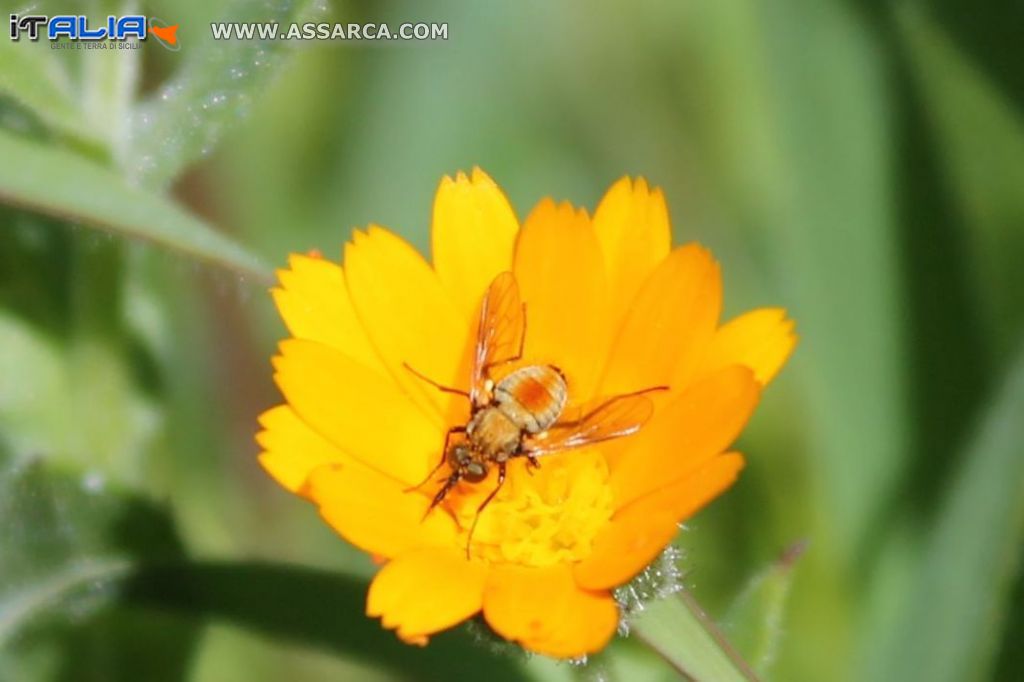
(611, 304)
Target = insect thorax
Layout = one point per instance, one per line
(494, 434)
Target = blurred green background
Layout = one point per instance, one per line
(860, 163)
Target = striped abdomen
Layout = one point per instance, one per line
(532, 397)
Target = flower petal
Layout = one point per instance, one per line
(425, 591)
(685, 497)
(544, 610)
(472, 236)
(410, 319)
(359, 410)
(374, 512)
(684, 433)
(314, 303)
(291, 450)
(669, 324)
(640, 531)
(761, 339)
(632, 226)
(560, 271)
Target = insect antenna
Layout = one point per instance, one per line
(440, 387)
(444, 456)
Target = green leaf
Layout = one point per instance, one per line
(76, 404)
(980, 139)
(315, 607)
(60, 184)
(679, 630)
(953, 616)
(34, 396)
(37, 78)
(991, 37)
(755, 620)
(625, 660)
(67, 540)
(109, 82)
(943, 316)
(213, 88)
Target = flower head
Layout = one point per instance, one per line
(609, 303)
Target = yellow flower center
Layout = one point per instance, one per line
(539, 517)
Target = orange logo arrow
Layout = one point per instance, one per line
(166, 33)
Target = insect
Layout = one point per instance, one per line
(518, 416)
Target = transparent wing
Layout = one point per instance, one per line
(500, 335)
(601, 420)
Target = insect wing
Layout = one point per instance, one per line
(602, 420)
(500, 335)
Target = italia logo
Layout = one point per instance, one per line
(78, 27)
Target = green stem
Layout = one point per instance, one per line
(678, 630)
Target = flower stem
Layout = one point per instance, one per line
(678, 630)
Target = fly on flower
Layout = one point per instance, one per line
(610, 304)
(518, 415)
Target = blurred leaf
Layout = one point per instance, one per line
(1010, 663)
(109, 82)
(625, 660)
(980, 138)
(992, 37)
(35, 77)
(943, 315)
(319, 608)
(124, 644)
(953, 618)
(679, 630)
(35, 395)
(60, 184)
(67, 540)
(213, 88)
(755, 620)
(74, 404)
(961, 142)
(33, 244)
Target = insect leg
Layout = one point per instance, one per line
(444, 456)
(440, 387)
(487, 500)
(532, 462)
(447, 439)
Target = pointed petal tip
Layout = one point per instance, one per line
(479, 176)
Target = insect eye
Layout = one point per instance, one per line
(475, 472)
(459, 455)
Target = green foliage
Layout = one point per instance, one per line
(68, 540)
(77, 404)
(61, 184)
(319, 608)
(679, 630)
(755, 623)
(39, 81)
(954, 612)
(210, 90)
